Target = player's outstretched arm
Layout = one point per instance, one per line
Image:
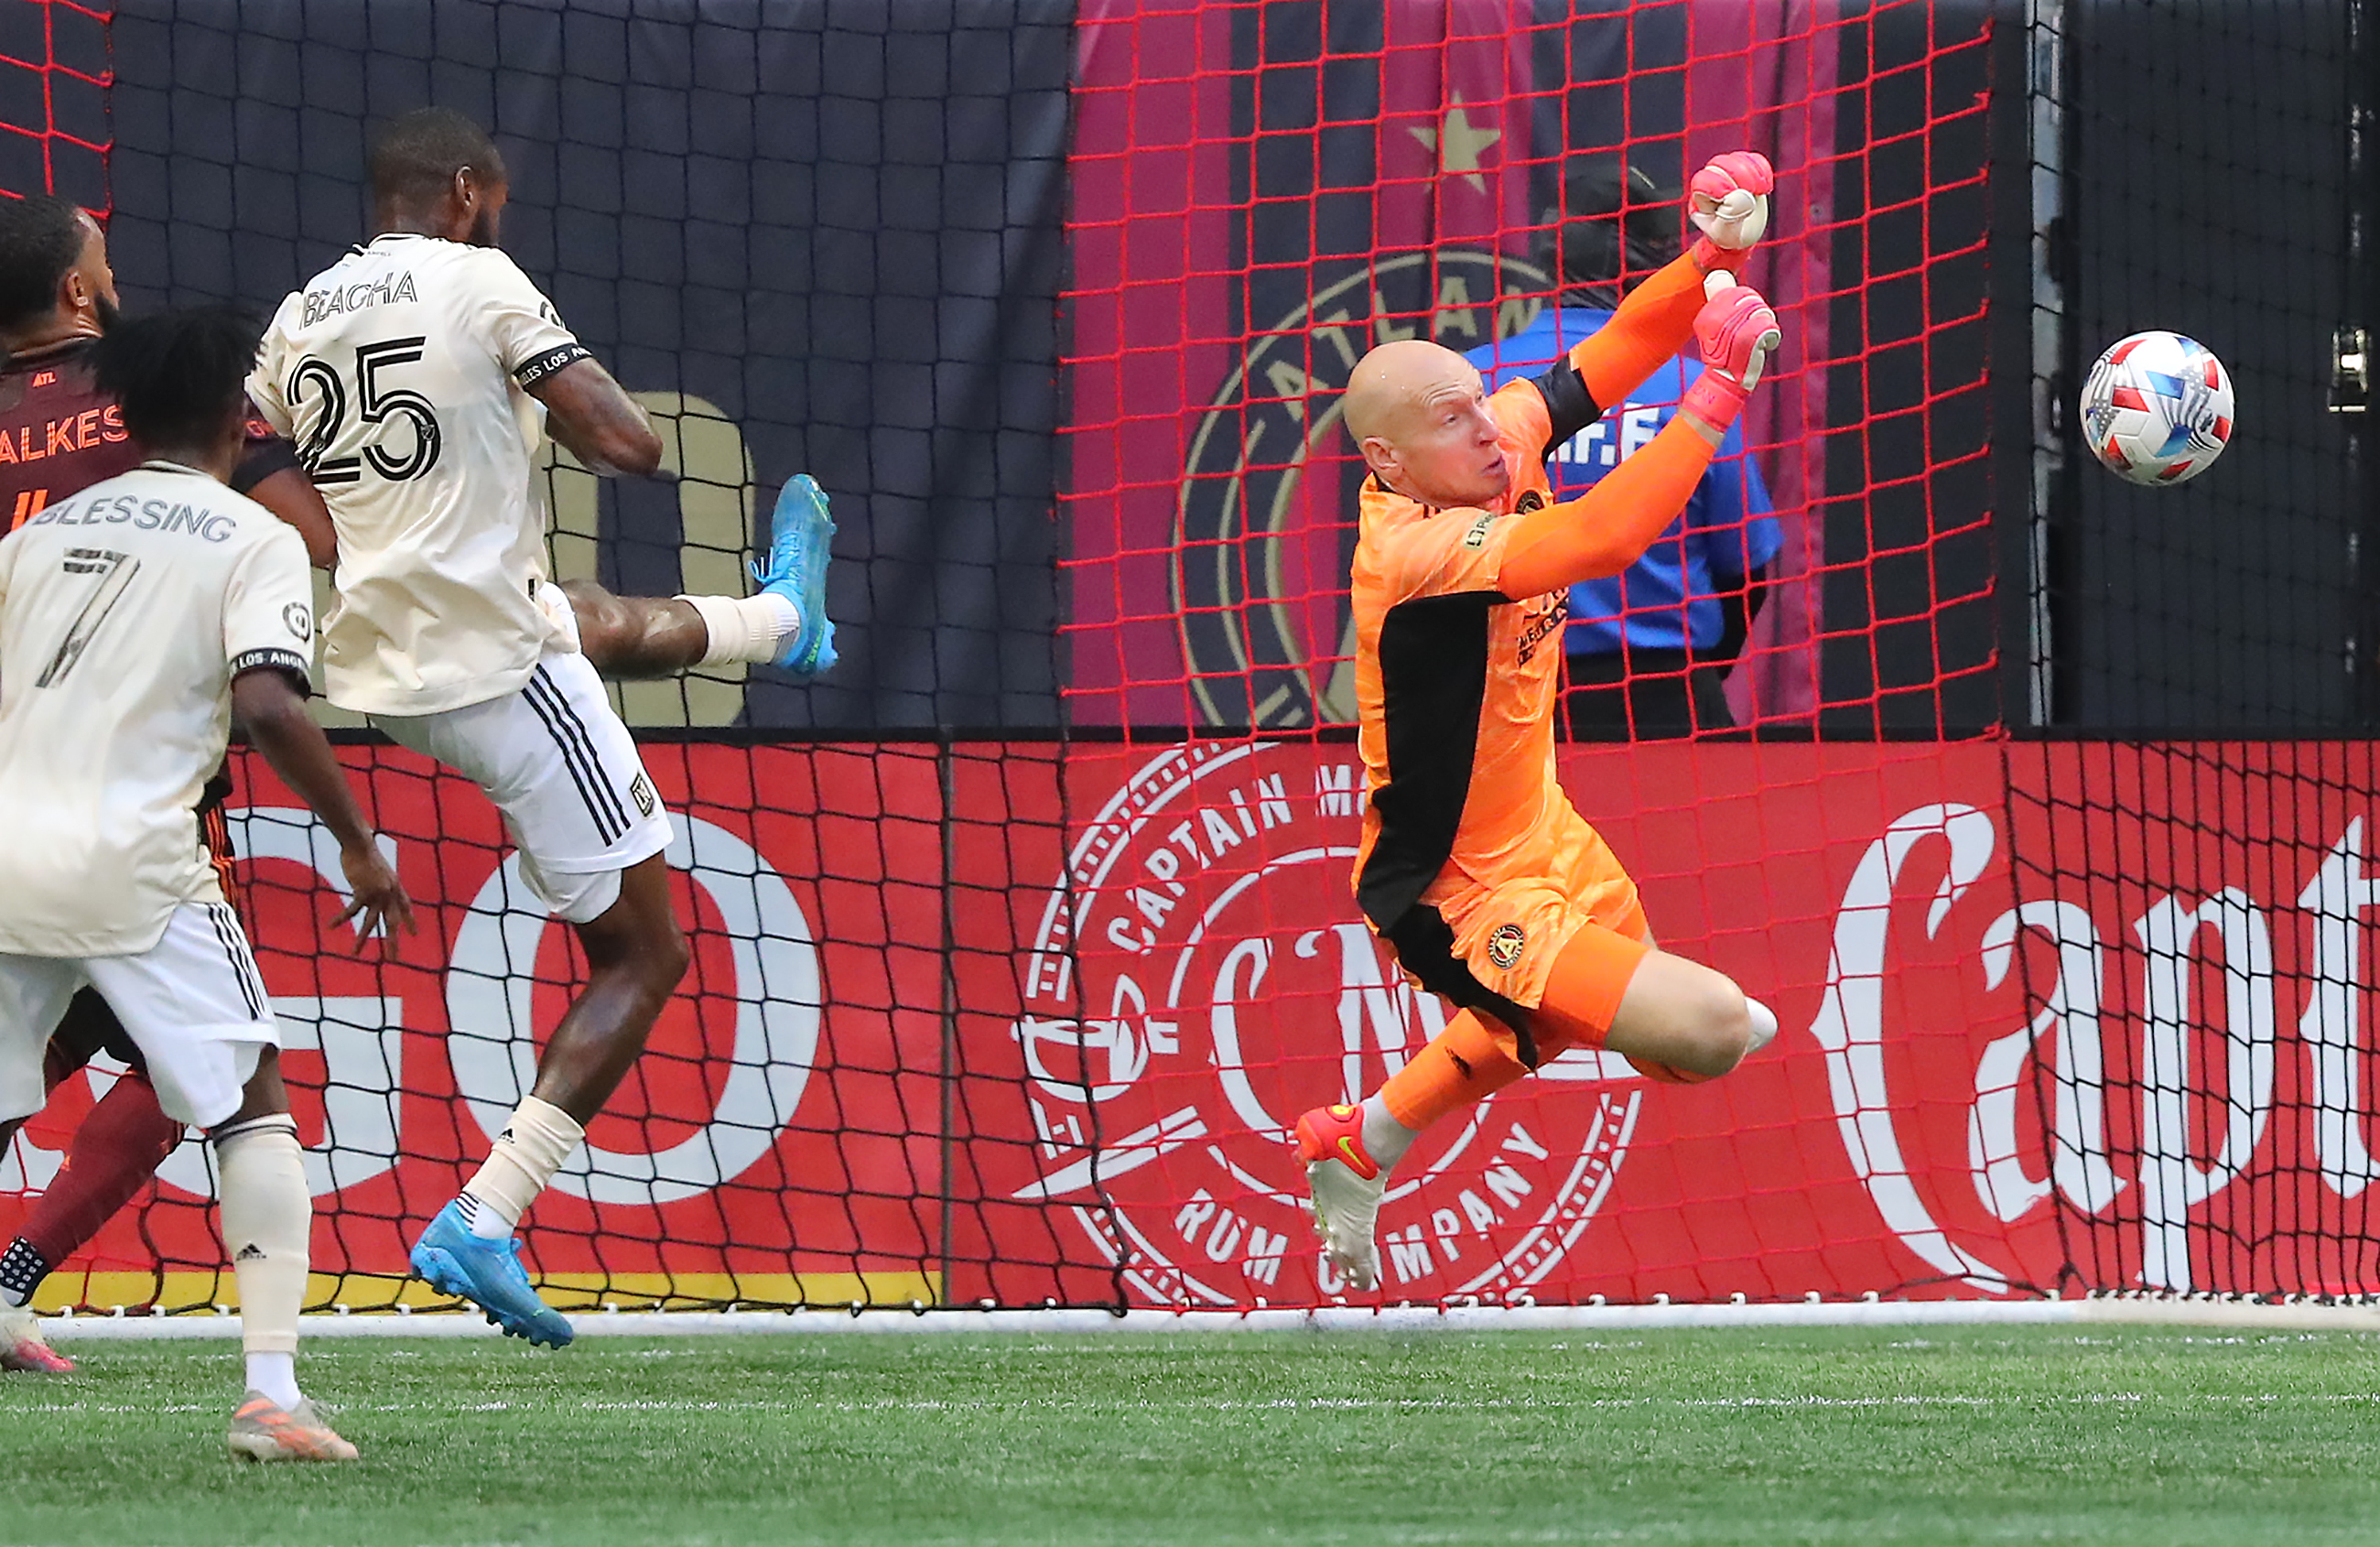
(1728, 204)
(1608, 528)
(597, 421)
(269, 706)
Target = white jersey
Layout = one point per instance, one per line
(399, 372)
(125, 612)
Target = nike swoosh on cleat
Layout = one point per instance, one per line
(1347, 1150)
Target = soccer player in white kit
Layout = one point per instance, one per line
(418, 375)
(137, 618)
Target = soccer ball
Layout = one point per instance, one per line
(2156, 408)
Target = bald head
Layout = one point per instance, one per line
(1418, 413)
(1392, 381)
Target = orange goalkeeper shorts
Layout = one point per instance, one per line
(1510, 934)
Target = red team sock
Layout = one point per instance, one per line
(111, 1156)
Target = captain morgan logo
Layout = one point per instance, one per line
(1267, 518)
(1201, 978)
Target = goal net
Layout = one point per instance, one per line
(1021, 940)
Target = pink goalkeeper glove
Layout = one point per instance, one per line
(1728, 202)
(1735, 331)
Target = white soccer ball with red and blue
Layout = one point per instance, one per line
(2156, 408)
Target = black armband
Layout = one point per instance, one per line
(538, 369)
(263, 455)
(1569, 407)
(287, 662)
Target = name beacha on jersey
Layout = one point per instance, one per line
(333, 299)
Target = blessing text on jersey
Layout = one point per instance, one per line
(144, 515)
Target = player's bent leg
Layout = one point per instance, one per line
(783, 624)
(632, 638)
(1677, 1021)
(111, 1156)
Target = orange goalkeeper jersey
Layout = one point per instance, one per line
(1454, 685)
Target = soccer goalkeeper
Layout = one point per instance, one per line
(1495, 893)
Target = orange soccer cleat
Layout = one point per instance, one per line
(262, 1429)
(1346, 1186)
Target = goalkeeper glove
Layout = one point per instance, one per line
(1728, 202)
(1734, 331)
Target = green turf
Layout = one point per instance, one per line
(1965, 1435)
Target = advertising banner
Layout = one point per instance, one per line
(1020, 1022)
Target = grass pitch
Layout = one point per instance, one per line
(1943, 1436)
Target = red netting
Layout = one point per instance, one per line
(1023, 1016)
(53, 81)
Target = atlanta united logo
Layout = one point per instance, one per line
(1201, 978)
(1265, 523)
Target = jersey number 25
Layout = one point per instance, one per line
(376, 404)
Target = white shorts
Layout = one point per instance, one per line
(564, 771)
(194, 1003)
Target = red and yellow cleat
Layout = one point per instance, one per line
(24, 1350)
(264, 1430)
(1346, 1186)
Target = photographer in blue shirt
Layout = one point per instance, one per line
(1647, 649)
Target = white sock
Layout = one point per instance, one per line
(1764, 1026)
(267, 1217)
(275, 1377)
(530, 1150)
(1385, 1138)
(745, 628)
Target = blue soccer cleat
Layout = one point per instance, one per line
(489, 1274)
(800, 532)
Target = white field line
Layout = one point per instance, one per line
(2302, 1316)
(2260, 1401)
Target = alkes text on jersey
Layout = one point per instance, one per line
(55, 437)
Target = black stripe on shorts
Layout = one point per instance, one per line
(577, 754)
(243, 966)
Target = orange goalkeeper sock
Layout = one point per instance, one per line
(1467, 1061)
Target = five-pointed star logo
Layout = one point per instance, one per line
(1458, 144)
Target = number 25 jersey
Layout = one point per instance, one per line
(400, 373)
